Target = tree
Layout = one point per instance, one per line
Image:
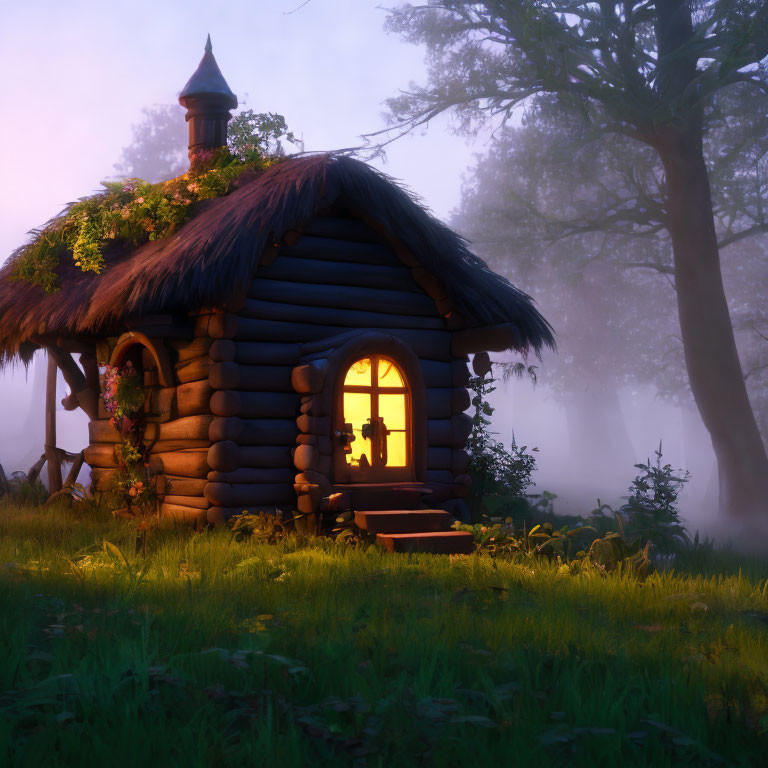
(158, 150)
(159, 147)
(642, 70)
(579, 223)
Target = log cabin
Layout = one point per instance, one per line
(303, 336)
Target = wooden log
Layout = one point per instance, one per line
(175, 514)
(246, 494)
(222, 325)
(251, 378)
(341, 229)
(101, 455)
(309, 378)
(87, 398)
(443, 403)
(444, 374)
(314, 478)
(254, 431)
(184, 486)
(222, 350)
(187, 428)
(188, 350)
(180, 444)
(252, 475)
(321, 442)
(91, 370)
(195, 369)
(302, 270)
(335, 316)
(439, 476)
(460, 400)
(450, 433)
(439, 458)
(163, 405)
(314, 425)
(101, 479)
(255, 353)
(101, 431)
(490, 338)
(427, 344)
(315, 406)
(196, 502)
(307, 457)
(193, 398)
(330, 249)
(394, 302)
(227, 456)
(254, 404)
(188, 463)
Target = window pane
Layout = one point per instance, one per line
(359, 374)
(389, 376)
(396, 451)
(392, 410)
(357, 411)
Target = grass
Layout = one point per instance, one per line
(213, 652)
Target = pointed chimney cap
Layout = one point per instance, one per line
(207, 80)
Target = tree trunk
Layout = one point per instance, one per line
(709, 346)
(599, 444)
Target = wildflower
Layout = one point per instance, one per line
(139, 200)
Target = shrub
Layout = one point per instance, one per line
(495, 470)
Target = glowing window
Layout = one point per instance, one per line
(375, 403)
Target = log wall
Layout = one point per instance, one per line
(271, 439)
(240, 427)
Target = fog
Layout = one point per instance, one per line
(76, 76)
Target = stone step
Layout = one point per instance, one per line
(403, 520)
(443, 543)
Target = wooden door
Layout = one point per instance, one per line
(373, 431)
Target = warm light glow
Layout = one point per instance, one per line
(357, 411)
(359, 374)
(389, 376)
(379, 404)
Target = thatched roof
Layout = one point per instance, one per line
(216, 250)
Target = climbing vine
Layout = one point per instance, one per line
(124, 397)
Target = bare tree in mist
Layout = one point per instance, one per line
(652, 72)
(158, 150)
(579, 223)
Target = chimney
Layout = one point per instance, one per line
(208, 100)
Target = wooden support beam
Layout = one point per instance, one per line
(87, 397)
(51, 454)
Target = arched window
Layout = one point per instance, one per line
(376, 419)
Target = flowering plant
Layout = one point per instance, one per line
(123, 395)
(132, 211)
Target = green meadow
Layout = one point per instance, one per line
(207, 651)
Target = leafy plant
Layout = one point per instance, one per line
(651, 512)
(135, 211)
(261, 526)
(495, 469)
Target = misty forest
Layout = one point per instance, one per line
(420, 419)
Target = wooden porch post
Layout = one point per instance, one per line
(51, 454)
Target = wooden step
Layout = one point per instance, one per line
(383, 496)
(443, 543)
(403, 520)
